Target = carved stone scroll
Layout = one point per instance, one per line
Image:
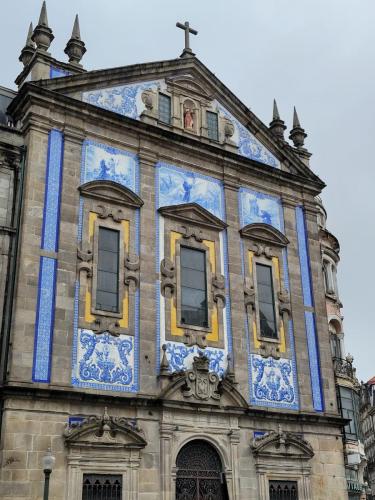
(104, 212)
(218, 289)
(168, 281)
(85, 256)
(131, 277)
(107, 325)
(284, 308)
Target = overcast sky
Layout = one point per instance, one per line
(316, 54)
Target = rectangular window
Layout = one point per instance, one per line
(101, 486)
(165, 109)
(212, 126)
(193, 287)
(283, 490)
(349, 410)
(107, 288)
(266, 302)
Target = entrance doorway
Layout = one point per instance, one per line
(200, 473)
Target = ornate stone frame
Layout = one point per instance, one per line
(283, 456)
(265, 242)
(196, 225)
(103, 445)
(113, 204)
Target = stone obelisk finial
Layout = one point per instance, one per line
(29, 49)
(297, 134)
(277, 126)
(42, 35)
(75, 48)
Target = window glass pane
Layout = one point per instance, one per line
(108, 270)
(212, 126)
(164, 108)
(266, 301)
(193, 259)
(193, 279)
(193, 287)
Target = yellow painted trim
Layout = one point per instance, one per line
(256, 341)
(92, 219)
(276, 267)
(251, 256)
(175, 330)
(124, 321)
(125, 226)
(211, 254)
(89, 318)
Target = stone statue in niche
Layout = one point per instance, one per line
(189, 115)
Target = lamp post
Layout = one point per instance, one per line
(48, 461)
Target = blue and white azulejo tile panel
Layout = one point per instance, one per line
(104, 362)
(102, 162)
(44, 321)
(125, 100)
(58, 72)
(53, 182)
(260, 207)
(273, 382)
(247, 144)
(180, 357)
(178, 186)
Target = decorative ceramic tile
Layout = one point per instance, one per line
(247, 144)
(181, 357)
(58, 72)
(125, 99)
(102, 162)
(54, 169)
(260, 207)
(177, 186)
(273, 382)
(44, 323)
(104, 361)
(312, 340)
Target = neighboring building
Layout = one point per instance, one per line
(348, 387)
(368, 430)
(165, 322)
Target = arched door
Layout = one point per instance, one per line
(200, 473)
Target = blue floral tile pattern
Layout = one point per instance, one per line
(44, 322)
(104, 361)
(273, 382)
(247, 144)
(54, 169)
(124, 99)
(311, 334)
(260, 207)
(58, 72)
(180, 357)
(177, 186)
(102, 162)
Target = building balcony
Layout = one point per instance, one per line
(344, 367)
(354, 486)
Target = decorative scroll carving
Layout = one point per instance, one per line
(85, 255)
(200, 382)
(147, 97)
(218, 289)
(260, 249)
(131, 270)
(107, 325)
(282, 444)
(267, 349)
(104, 212)
(190, 232)
(105, 431)
(193, 337)
(249, 293)
(168, 281)
(228, 128)
(284, 307)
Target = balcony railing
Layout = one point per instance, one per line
(343, 367)
(354, 486)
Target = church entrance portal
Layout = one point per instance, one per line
(200, 473)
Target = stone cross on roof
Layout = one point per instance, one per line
(186, 27)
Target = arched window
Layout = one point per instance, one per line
(335, 330)
(199, 473)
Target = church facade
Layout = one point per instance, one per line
(164, 327)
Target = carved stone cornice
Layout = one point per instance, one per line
(264, 233)
(282, 444)
(112, 192)
(192, 213)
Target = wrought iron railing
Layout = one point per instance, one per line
(343, 367)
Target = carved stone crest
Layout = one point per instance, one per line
(200, 382)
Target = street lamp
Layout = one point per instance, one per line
(48, 461)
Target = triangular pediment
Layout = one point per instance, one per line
(112, 192)
(192, 213)
(105, 432)
(282, 445)
(264, 233)
(252, 138)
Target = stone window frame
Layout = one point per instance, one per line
(193, 233)
(195, 245)
(115, 226)
(265, 242)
